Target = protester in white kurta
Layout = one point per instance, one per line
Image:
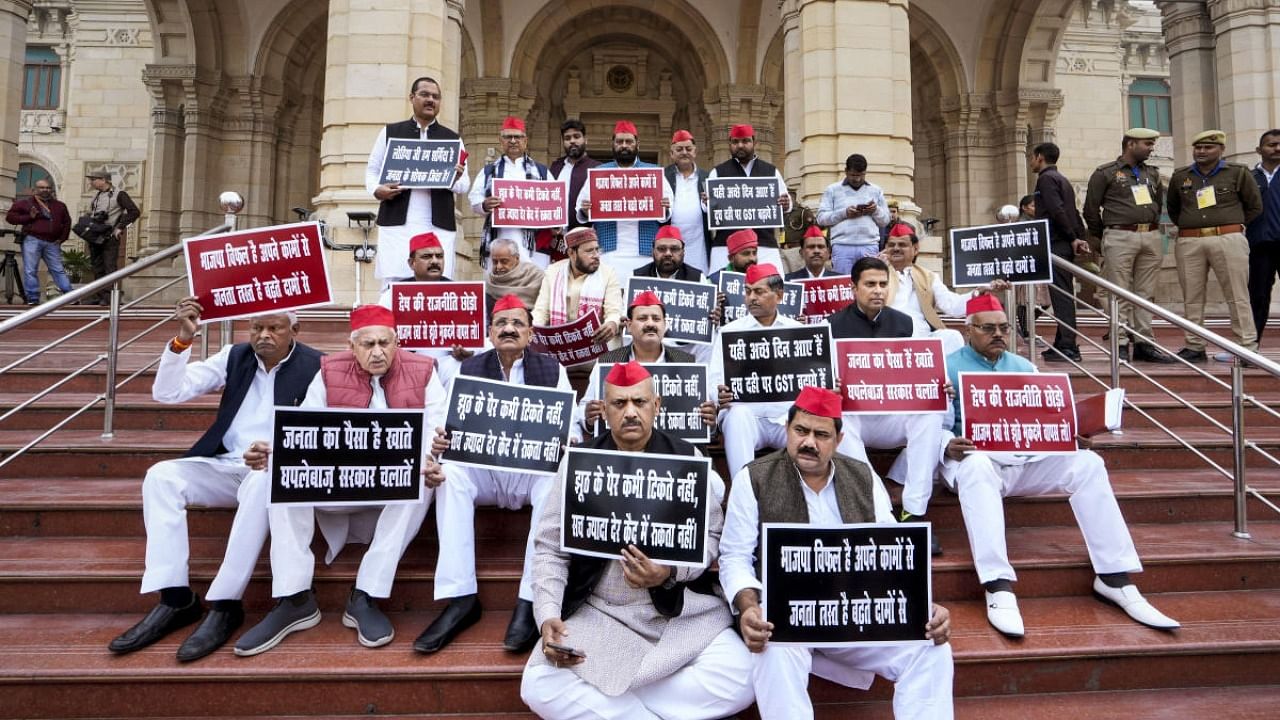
(922, 674)
(748, 427)
(513, 164)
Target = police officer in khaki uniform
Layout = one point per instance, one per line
(1211, 201)
(1122, 209)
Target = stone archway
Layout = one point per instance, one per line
(939, 91)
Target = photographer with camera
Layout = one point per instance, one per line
(111, 211)
(45, 226)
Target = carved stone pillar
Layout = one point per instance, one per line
(13, 44)
(1189, 40)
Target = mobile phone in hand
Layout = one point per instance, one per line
(566, 650)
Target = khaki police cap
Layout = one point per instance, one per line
(1217, 137)
(1141, 133)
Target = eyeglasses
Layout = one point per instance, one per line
(991, 328)
(512, 138)
(504, 323)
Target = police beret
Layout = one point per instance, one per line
(1210, 136)
(1141, 133)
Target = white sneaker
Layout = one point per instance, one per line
(1002, 613)
(1128, 599)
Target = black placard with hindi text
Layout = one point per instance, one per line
(683, 387)
(772, 364)
(734, 284)
(418, 163)
(743, 202)
(687, 306)
(1017, 252)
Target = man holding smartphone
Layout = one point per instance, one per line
(855, 210)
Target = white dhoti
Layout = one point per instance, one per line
(169, 488)
(921, 677)
(720, 257)
(464, 488)
(292, 528)
(745, 433)
(715, 685)
(983, 483)
(925, 441)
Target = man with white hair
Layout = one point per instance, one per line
(509, 275)
(376, 374)
(272, 368)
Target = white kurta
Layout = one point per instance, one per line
(508, 169)
(686, 214)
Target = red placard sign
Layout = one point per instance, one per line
(252, 272)
(530, 203)
(1023, 413)
(892, 375)
(570, 343)
(826, 295)
(439, 314)
(625, 194)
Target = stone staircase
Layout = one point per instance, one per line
(71, 557)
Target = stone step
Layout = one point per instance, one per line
(58, 666)
(62, 574)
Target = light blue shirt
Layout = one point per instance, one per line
(862, 230)
(966, 359)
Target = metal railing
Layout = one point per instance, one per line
(111, 355)
(1240, 444)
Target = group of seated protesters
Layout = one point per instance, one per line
(647, 639)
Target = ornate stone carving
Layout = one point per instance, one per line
(125, 176)
(124, 37)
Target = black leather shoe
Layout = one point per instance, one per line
(1053, 355)
(1122, 352)
(522, 631)
(461, 613)
(1193, 356)
(1150, 353)
(935, 545)
(212, 634)
(161, 621)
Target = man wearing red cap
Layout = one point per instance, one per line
(854, 210)
(625, 244)
(510, 361)
(374, 373)
(513, 164)
(745, 163)
(749, 427)
(273, 368)
(816, 253)
(687, 181)
(983, 479)
(578, 285)
(809, 482)
(647, 648)
(426, 261)
(404, 213)
(921, 294)
(669, 258)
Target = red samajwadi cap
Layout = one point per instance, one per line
(741, 240)
(681, 136)
(513, 123)
(813, 232)
(423, 241)
(741, 132)
(901, 230)
(669, 231)
(509, 302)
(985, 302)
(371, 315)
(627, 374)
(756, 273)
(625, 126)
(648, 297)
(819, 401)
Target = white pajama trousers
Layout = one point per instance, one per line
(293, 564)
(715, 685)
(464, 488)
(983, 484)
(924, 437)
(921, 677)
(172, 485)
(745, 433)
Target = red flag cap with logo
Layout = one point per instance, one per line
(513, 123)
(681, 136)
(756, 273)
(627, 374)
(741, 240)
(422, 241)
(669, 231)
(742, 132)
(901, 230)
(508, 302)
(819, 401)
(983, 303)
(648, 297)
(624, 126)
(813, 232)
(371, 315)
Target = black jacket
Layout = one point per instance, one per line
(852, 323)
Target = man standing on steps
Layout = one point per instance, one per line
(376, 374)
(405, 213)
(271, 369)
(1056, 202)
(688, 218)
(809, 482)
(46, 224)
(650, 641)
(513, 164)
(510, 361)
(984, 479)
(745, 163)
(1264, 231)
(869, 316)
(854, 210)
(1122, 209)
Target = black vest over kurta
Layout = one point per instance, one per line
(396, 210)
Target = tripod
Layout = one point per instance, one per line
(10, 270)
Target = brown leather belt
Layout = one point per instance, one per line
(1210, 231)
(1145, 227)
